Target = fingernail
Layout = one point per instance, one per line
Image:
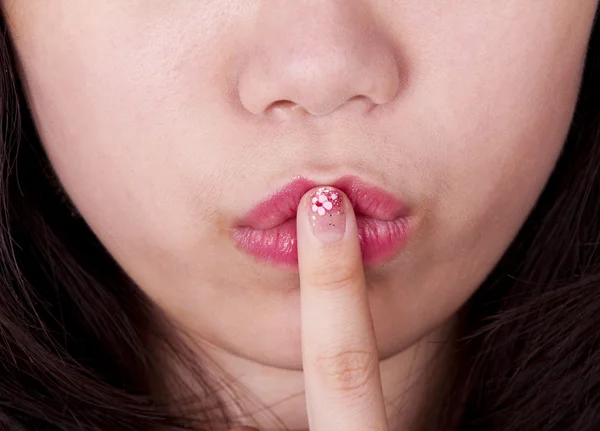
(327, 214)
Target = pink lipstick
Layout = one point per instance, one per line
(268, 231)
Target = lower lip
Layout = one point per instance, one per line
(379, 240)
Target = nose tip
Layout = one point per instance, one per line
(314, 62)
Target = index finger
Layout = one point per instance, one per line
(339, 352)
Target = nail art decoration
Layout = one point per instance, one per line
(328, 217)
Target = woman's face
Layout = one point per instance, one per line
(167, 121)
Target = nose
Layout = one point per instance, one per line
(315, 56)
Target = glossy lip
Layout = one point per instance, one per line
(268, 230)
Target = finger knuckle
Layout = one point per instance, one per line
(336, 277)
(347, 372)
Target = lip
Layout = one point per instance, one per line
(268, 230)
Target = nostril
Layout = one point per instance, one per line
(358, 97)
(282, 107)
(281, 104)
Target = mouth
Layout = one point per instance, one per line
(268, 230)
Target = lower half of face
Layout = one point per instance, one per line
(168, 124)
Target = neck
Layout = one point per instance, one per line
(273, 398)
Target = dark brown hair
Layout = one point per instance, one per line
(75, 332)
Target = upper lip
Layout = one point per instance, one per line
(282, 205)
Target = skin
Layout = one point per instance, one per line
(161, 119)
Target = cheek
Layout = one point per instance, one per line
(109, 93)
(500, 99)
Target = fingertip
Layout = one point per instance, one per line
(328, 243)
(326, 213)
